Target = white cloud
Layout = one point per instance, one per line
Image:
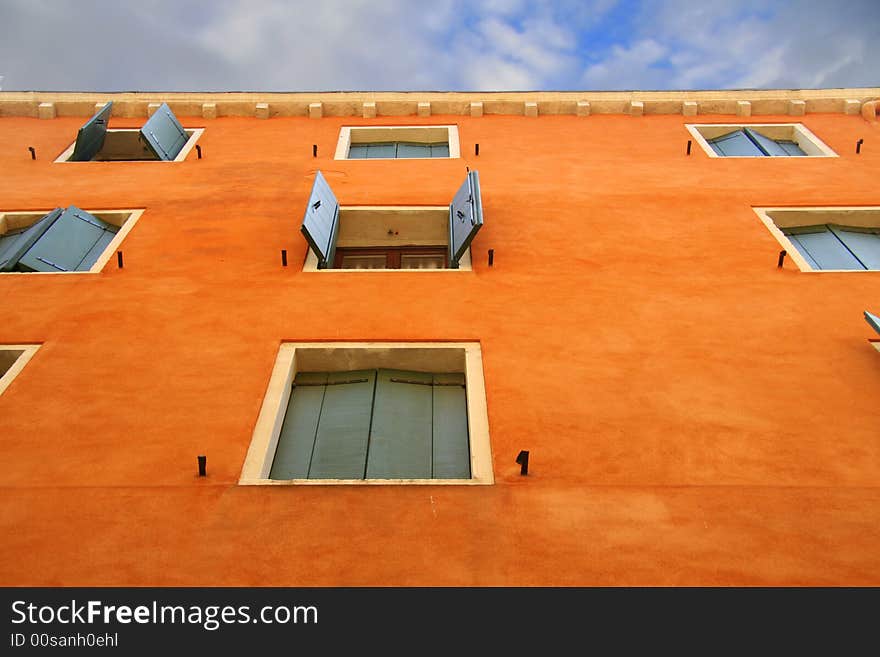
(627, 67)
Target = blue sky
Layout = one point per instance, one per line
(291, 45)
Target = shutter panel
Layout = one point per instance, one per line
(400, 440)
(451, 446)
(873, 320)
(440, 150)
(344, 428)
(734, 144)
(863, 243)
(769, 146)
(66, 243)
(13, 247)
(95, 252)
(90, 138)
(357, 152)
(822, 248)
(381, 151)
(164, 134)
(300, 427)
(465, 218)
(320, 224)
(405, 150)
(791, 148)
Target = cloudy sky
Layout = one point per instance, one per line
(296, 45)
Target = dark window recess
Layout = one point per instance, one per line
(751, 143)
(380, 257)
(320, 224)
(63, 240)
(162, 137)
(374, 424)
(830, 246)
(397, 150)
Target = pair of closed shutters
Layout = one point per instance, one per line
(397, 150)
(751, 143)
(162, 133)
(830, 246)
(374, 424)
(63, 240)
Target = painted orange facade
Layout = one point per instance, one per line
(694, 415)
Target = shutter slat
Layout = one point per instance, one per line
(300, 427)
(344, 428)
(451, 446)
(67, 241)
(90, 138)
(320, 224)
(164, 134)
(465, 217)
(400, 440)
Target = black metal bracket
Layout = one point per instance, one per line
(283, 257)
(119, 262)
(782, 255)
(203, 466)
(523, 460)
(491, 257)
(477, 150)
(33, 152)
(314, 150)
(859, 146)
(199, 151)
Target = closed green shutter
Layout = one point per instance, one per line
(406, 150)
(164, 134)
(465, 217)
(357, 152)
(451, 446)
(821, 248)
(735, 144)
(400, 440)
(344, 428)
(90, 138)
(863, 243)
(440, 150)
(15, 244)
(67, 244)
(300, 427)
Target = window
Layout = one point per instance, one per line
(62, 241)
(13, 358)
(161, 138)
(373, 413)
(759, 140)
(829, 238)
(388, 238)
(398, 142)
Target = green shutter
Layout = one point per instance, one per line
(163, 133)
(90, 138)
(465, 217)
(409, 150)
(14, 245)
(400, 440)
(300, 427)
(67, 243)
(863, 243)
(735, 144)
(344, 428)
(451, 449)
(320, 224)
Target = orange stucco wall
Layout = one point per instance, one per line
(695, 416)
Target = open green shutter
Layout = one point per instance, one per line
(164, 134)
(90, 138)
(400, 440)
(344, 427)
(14, 246)
(451, 446)
(465, 217)
(300, 427)
(67, 243)
(320, 224)
(873, 321)
(769, 146)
